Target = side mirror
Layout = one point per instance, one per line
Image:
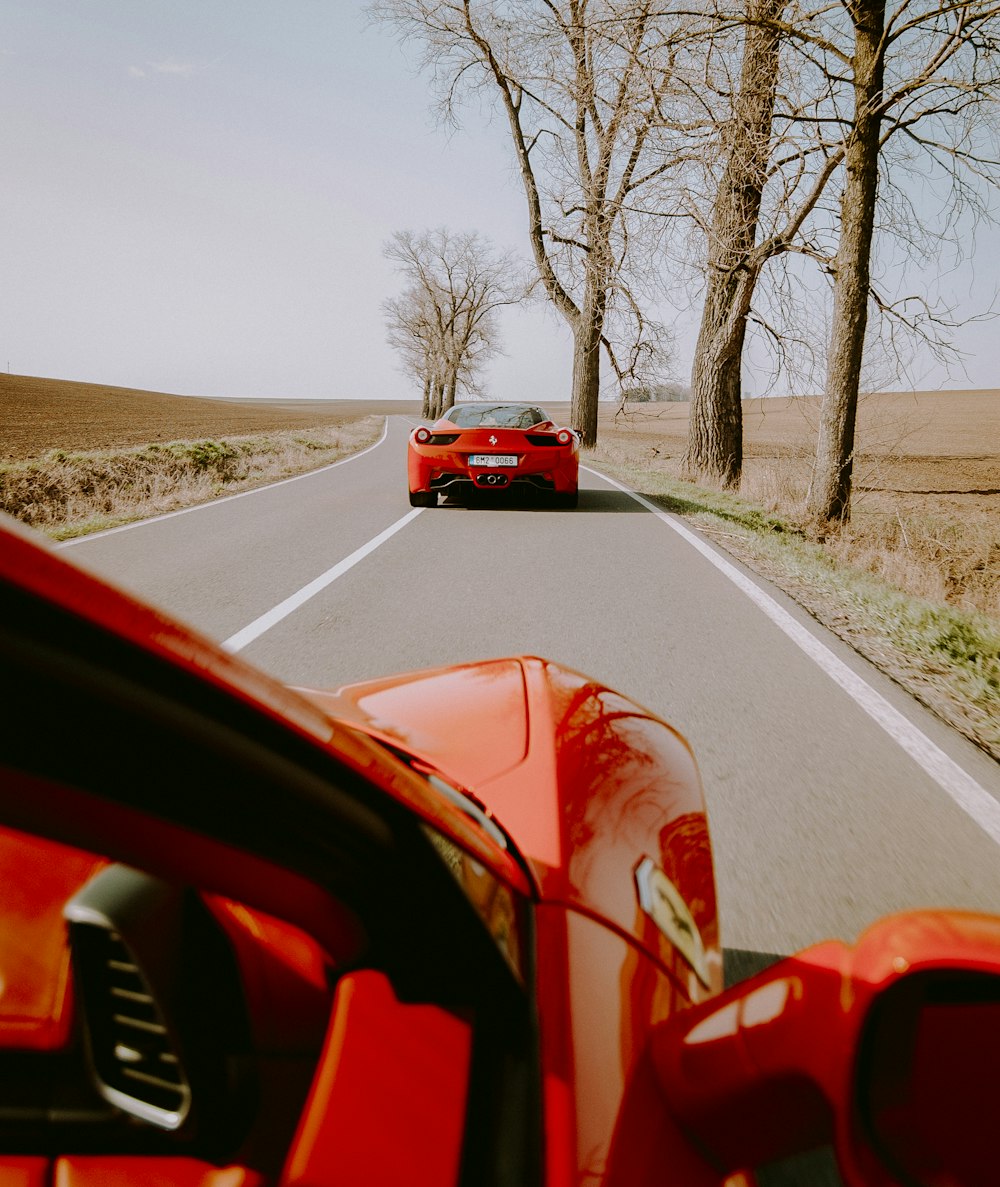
(888, 1050)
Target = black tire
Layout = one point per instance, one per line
(566, 501)
(423, 498)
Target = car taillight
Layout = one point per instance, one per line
(564, 436)
(422, 435)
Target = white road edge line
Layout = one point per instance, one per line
(257, 628)
(973, 799)
(139, 523)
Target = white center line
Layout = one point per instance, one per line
(257, 628)
(973, 799)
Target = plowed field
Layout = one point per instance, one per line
(37, 415)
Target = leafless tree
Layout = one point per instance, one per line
(925, 81)
(445, 323)
(413, 329)
(772, 157)
(582, 85)
(835, 94)
(715, 426)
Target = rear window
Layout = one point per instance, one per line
(496, 416)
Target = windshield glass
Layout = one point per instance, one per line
(496, 416)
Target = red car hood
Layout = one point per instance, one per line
(588, 784)
(470, 722)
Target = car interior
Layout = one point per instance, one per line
(225, 947)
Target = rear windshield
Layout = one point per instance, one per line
(496, 416)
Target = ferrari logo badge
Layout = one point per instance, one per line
(493, 439)
(662, 902)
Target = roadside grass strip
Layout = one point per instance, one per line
(70, 495)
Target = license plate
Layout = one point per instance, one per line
(492, 459)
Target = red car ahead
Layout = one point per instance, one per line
(490, 448)
(450, 929)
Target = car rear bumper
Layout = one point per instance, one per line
(554, 470)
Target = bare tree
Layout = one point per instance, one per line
(445, 323)
(582, 85)
(833, 115)
(926, 78)
(715, 427)
(767, 171)
(413, 329)
(830, 489)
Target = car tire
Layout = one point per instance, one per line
(567, 501)
(423, 498)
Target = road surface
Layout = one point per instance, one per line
(826, 812)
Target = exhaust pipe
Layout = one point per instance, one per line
(491, 480)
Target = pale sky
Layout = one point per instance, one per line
(196, 193)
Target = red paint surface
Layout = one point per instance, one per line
(23, 1172)
(469, 721)
(560, 463)
(37, 877)
(105, 1171)
(597, 784)
(770, 1067)
(600, 998)
(388, 1103)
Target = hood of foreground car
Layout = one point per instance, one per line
(470, 722)
(601, 797)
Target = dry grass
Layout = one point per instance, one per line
(913, 583)
(78, 457)
(926, 511)
(69, 494)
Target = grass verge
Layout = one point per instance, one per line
(72, 494)
(947, 656)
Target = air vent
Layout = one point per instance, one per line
(542, 439)
(134, 1060)
(443, 438)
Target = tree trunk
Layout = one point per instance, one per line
(425, 407)
(587, 330)
(715, 429)
(829, 499)
(449, 393)
(715, 425)
(437, 400)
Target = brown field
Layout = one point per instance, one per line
(926, 513)
(933, 446)
(926, 508)
(927, 473)
(37, 415)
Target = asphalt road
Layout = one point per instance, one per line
(821, 820)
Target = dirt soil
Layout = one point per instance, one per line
(928, 451)
(37, 415)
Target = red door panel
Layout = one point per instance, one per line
(89, 1171)
(388, 1104)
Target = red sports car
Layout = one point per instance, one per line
(450, 929)
(490, 448)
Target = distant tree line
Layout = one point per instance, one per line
(655, 393)
(750, 150)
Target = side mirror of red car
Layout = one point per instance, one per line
(887, 1050)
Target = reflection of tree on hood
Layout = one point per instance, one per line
(641, 784)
